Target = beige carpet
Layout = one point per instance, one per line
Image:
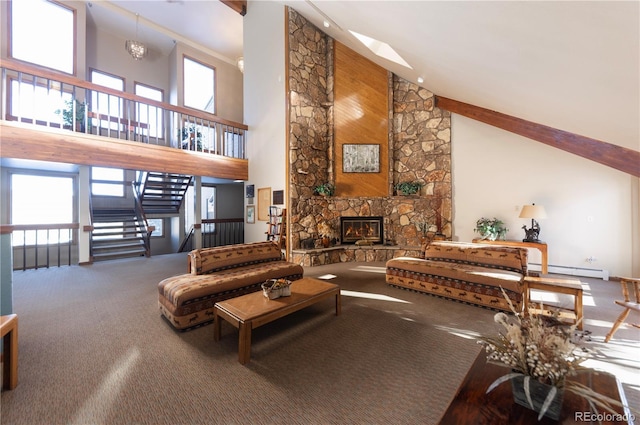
(94, 350)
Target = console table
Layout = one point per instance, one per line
(472, 406)
(540, 246)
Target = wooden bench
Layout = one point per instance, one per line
(559, 286)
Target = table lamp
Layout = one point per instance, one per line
(533, 212)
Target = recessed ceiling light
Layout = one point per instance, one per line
(326, 24)
(381, 49)
(420, 80)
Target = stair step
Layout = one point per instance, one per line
(115, 245)
(117, 255)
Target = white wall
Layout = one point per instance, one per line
(590, 207)
(265, 102)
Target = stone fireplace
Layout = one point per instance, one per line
(353, 229)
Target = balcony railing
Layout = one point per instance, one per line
(47, 98)
(44, 245)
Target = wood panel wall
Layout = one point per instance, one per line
(361, 116)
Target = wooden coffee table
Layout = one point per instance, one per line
(472, 405)
(253, 310)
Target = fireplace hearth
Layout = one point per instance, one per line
(353, 229)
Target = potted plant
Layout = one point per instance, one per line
(191, 137)
(324, 189)
(541, 353)
(408, 188)
(491, 229)
(68, 114)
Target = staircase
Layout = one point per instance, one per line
(161, 193)
(118, 233)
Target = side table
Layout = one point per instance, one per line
(9, 333)
(559, 286)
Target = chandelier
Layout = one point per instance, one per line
(137, 49)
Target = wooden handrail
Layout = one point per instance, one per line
(618, 157)
(19, 66)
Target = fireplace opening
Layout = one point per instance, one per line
(353, 229)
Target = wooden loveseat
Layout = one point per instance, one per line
(467, 272)
(220, 273)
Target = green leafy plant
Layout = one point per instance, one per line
(408, 188)
(191, 137)
(68, 113)
(325, 189)
(492, 229)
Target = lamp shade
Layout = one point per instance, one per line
(533, 211)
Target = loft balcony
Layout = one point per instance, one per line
(50, 116)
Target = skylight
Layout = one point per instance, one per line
(381, 49)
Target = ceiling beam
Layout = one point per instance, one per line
(618, 157)
(239, 6)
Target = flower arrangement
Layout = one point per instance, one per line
(540, 348)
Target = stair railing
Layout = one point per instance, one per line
(187, 239)
(142, 219)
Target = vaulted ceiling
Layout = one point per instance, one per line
(569, 65)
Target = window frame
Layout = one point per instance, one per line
(215, 84)
(119, 124)
(74, 48)
(74, 199)
(122, 183)
(161, 127)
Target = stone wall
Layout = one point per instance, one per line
(421, 150)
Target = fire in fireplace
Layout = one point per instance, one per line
(353, 229)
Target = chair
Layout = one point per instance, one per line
(627, 304)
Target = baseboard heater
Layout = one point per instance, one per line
(574, 271)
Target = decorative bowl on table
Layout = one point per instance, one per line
(276, 288)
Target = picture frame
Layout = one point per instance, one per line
(264, 201)
(278, 197)
(251, 214)
(360, 158)
(250, 191)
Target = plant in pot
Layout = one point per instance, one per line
(408, 188)
(491, 228)
(68, 113)
(191, 137)
(542, 353)
(324, 189)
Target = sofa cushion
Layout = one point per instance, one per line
(186, 289)
(493, 256)
(211, 260)
(457, 272)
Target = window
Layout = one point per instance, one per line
(41, 199)
(107, 106)
(199, 86)
(159, 225)
(107, 181)
(149, 115)
(40, 101)
(54, 50)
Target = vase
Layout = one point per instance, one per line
(538, 392)
(326, 242)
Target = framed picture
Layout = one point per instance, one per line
(249, 190)
(264, 201)
(278, 197)
(251, 214)
(360, 158)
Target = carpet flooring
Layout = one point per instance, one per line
(94, 350)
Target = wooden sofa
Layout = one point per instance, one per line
(467, 272)
(220, 273)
